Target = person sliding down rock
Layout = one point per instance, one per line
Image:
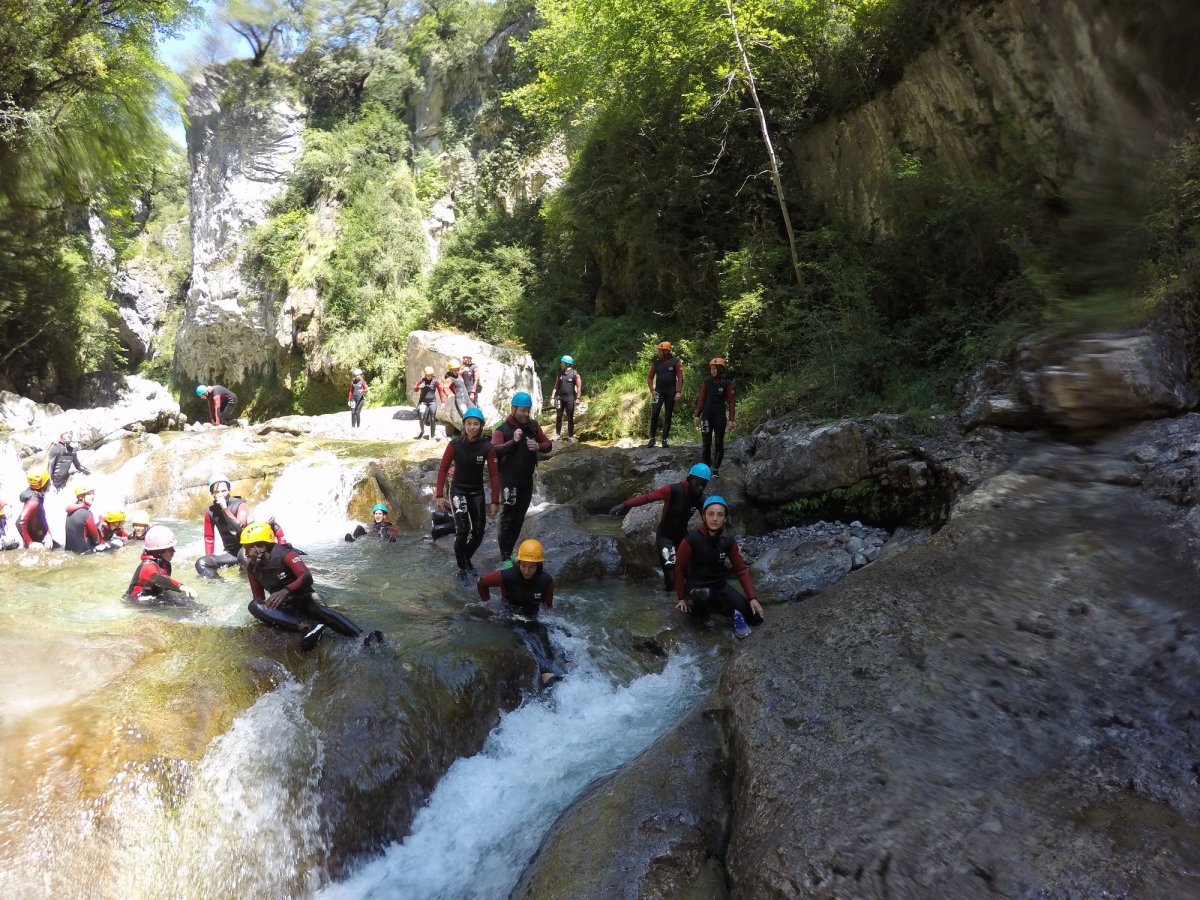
(705, 557)
(283, 594)
(678, 501)
(469, 453)
(527, 589)
(152, 584)
(380, 528)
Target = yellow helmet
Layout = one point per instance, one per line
(139, 518)
(258, 533)
(38, 478)
(82, 489)
(115, 515)
(429, 370)
(452, 365)
(530, 551)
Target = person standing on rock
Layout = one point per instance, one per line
(221, 402)
(59, 460)
(32, 525)
(81, 533)
(152, 584)
(716, 397)
(518, 441)
(678, 501)
(226, 517)
(282, 590)
(665, 380)
(705, 557)
(568, 387)
(457, 387)
(430, 394)
(356, 397)
(470, 377)
(469, 453)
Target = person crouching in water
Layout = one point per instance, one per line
(138, 523)
(527, 588)
(380, 527)
(701, 563)
(112, 525)
(224, 518)
(469, 453)
(152, 584)
(282, 588)
(82, 534)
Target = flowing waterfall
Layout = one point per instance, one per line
(310, 498)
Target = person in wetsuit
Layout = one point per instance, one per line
(138, 523)
(665, 381)
(716, 397)
(112, 525)
(283, 594)
(430, 393)
(225, 518)
(568, 387)
(704, 559)
(32, 526)
(8, 535)
(356, 397)
(527, 587)
(81, 533)
(678, 501)
(470, 377)
(221, 402)
(380, 528)
(518, 441)
(152, 584)
(457, 388)
(469, 452)
(62, 456)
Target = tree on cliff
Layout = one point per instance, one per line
(264, 24)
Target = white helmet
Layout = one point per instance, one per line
(159, 537)
(358, 371)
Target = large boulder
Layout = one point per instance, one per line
(502, 371)
(18, 413)
(574, 551)
(244, 139)
(795, 464)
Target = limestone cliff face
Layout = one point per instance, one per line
(1088, 80)
(243, 141)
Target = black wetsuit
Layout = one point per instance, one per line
(666, 377)
(527, 597)
(358, 396)
(280, 568)
(716, 398)
(565, 387)
(427, 404)
(384, 531)
(62, 457)
(80, 532)
(152, 584)
(706, 564)
(678, 502)
(467, 502)
(224, 402)
(470, 377)
(517, 464)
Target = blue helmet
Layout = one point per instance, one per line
(569, 360)
(522, 398)
(379, 507)
(715, 499)
(700, 470)
(201, 390)
(473, 413)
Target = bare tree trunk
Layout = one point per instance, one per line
(766, 136)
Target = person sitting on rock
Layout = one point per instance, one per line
(139, 521)
(32, 525)
(8, 528)
(379, 528)
(705, 556)
(81, 533)
(152, 584)
(469, 452)
(457, 387)
(221, 402)
(226, 518)
(62, 456)
(430, 394)
(283, 594)
(678, 501)
(356, 397)
(518, 441)
(470, 377)
(568, 387)
(526, 587)
(112, 525)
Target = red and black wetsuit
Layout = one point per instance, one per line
(678, 500)
(716, 397)
(429, 394)
(567, 388)
(281, 568)
(81, 533)
(221, 403)
(527, 596)
(665, 379)
(466, 491)
(358, 396)
(108, 531)
(228, 524)
(704, 560)
(152, 582)
(517, 464)
(31, 523)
